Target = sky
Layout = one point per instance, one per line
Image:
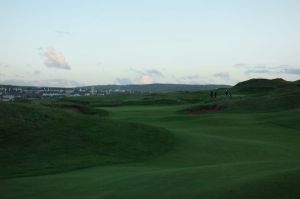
(74, 42)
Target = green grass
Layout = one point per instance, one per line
(124, 99)
(38, 140)
(74, 106)
(218, 155)
(250, 150)
(255, 86)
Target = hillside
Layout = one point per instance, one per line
(255, 95)
(155, 145)
(262, 85)
(36, 140)
(265, 95)
(217, 155)
(160, 88)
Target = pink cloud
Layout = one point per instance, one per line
(55, 59)
(145, 79)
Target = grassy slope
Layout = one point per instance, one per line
(232, 154)
(139, 99)
(266, 95)
(220, 155)
(260, 85)
(36, 140)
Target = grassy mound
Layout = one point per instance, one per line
(124, 99)
(267, 95)
(271, 102)
(259, 85)
(36, 140)
(249, 150)
(75, 107)
(254, 95)
(203, 108)
(229, 154)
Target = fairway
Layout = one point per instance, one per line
(150, 99)
(216, 155)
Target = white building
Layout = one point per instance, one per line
(8, 98)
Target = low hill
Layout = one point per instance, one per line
(160, 88)
(243, 146)
(35, 139)
(260, 85)
(264, 94)
(143, 88)
(122, 99)
(254, 95)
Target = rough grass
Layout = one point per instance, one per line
(218, 155)
(122, 99)
(74, 106)
(37, 140)
(251, 150)
(264, 86)
(203, 108)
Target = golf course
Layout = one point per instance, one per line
(182, 145)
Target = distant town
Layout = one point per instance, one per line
(12, 93)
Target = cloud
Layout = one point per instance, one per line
(292, 71)
(283, 69)
(240, 65)
(61, 33)
(145, 79)
(217, 78)
(4, 65)
(61, 83)
(149, 72)
(37, 72)
(40, 83)
(148, 76)
(123, 81)
(54, 59)
(153, 72)
(193, 79)
(258, 71)
(223, 75)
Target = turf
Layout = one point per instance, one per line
(240, 152)
(37, 140)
